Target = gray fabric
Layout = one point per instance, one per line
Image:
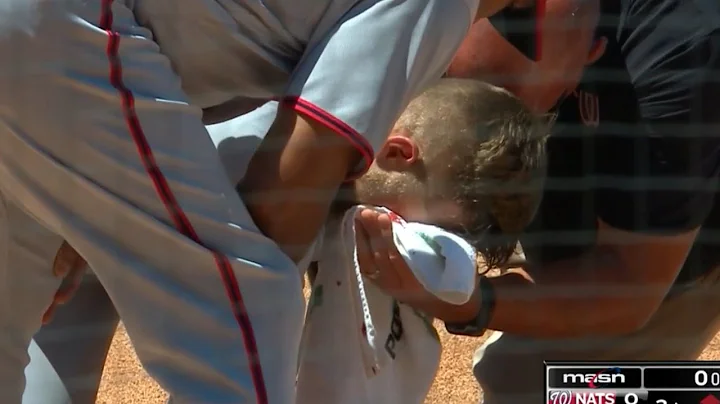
(78, 171)
(75, 344)
(510, 368)
(72, 349)
(366, 66)
(341, 55)
(359, 61)
(26, 249)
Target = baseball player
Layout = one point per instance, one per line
(102, 141)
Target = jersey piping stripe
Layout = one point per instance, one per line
(180, 220)
(323, 117)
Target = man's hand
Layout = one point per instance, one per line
(70, 266)
(293, 178)
(381, 262)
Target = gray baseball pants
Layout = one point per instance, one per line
(104, 151)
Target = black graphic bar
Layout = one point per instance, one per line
(682, 377)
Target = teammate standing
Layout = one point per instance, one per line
(623, 256)
(102, 141)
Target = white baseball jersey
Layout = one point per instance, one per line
(361, 346)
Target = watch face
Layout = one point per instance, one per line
(522, 28)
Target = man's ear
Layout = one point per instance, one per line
(597, 50)
(399, 153)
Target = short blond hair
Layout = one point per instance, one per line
(491, 150)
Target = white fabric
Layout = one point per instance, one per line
(443, 262)
(359, 345)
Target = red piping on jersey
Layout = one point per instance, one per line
(539, 21)
(327, 119)
(180, 220)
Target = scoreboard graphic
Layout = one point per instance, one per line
(632, 382)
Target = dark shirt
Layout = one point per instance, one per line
(637, 145)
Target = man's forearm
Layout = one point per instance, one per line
(293, 178)
(580, 297)
(588, 296)
(449, 312)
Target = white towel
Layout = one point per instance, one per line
(359, 345)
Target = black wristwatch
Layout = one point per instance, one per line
(478, 325)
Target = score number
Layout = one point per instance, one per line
(703, 378)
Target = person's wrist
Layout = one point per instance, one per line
(475, 319)
(471, 309)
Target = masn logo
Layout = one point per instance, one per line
(605, 377)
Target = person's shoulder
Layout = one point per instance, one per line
(656, 45)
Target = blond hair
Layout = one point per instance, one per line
(490, 149)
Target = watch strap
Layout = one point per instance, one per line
(477, 326)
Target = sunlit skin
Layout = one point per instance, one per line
(568, 45)
(387, 184)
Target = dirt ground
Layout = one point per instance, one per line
(125, 382)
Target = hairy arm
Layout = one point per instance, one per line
(614, 289)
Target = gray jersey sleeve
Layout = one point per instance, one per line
(357, 77)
